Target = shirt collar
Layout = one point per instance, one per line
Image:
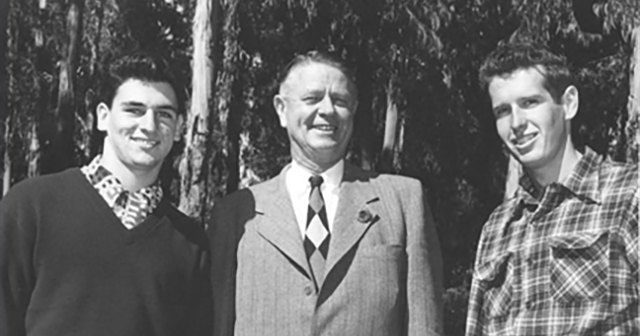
(97, 174)
(583, 181)
(332, 177)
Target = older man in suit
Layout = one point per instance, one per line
(325, 248)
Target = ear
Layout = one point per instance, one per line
(355, 107)
(279, 105)
(178, 132)
(102, 112)
(570, 102)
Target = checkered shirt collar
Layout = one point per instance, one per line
(583, 181)
(98, 175)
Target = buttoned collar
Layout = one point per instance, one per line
(110, 186)
(583, 181)
(299, 177)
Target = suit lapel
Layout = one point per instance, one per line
(278, 223)
(356, 194)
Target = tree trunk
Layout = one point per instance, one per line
(6, 174)
(397, 153)
(85, 118)
(230, 98)
(363, 133)
(33, 156)
(385, 163)
(4, 94)
(631, 129)
(194, 170)
(60, 154)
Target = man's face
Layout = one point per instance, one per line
(141, 126)
(530, 123)
(316, 105)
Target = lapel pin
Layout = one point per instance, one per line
(364, 216)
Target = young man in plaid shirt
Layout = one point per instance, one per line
(561, 256)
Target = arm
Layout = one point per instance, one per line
(629, 232)
(424, 277)
(225, 230)
(200, 313)
(17, 236)
(476, 295)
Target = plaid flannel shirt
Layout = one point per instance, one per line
(563, 264)
(132, 208)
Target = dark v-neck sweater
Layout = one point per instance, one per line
(69, 266)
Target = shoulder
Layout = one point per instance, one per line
(618, 177)
(243, 198)
(193, 231)
(396, 183)
(42, 187)
(494, 226)
(240, 205)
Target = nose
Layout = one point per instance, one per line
(326, 105)
(148, 121)
(518, 121)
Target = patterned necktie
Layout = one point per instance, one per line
(317, 235)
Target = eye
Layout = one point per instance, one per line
(341, 101)
(529, 102)
(501, 111)
(314, 99)
(138, 111)
(166, 114)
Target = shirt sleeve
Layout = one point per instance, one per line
(629, 233)
(476, 295)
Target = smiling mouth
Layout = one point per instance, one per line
(524, 140)
(145, 142)
(324, 128)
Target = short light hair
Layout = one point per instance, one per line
(315, 56)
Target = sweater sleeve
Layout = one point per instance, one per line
(17, 237)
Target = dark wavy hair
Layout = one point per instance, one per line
(143, 66)
(510, 57)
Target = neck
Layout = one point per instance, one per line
(131, 179)
(315, 167)
(558, 169)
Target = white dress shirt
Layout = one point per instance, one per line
(299, 188)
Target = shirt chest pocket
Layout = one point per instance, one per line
(497, 279)
(579, 266)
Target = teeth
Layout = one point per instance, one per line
(524, 139)
(324, 127)
(146, 142)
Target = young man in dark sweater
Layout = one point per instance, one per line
(98, 250)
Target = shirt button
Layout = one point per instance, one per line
(308, 290)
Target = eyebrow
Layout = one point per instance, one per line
(493, 108)
(138, 104)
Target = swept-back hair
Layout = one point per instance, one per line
(510, 57)
(322, 57)
(143, 66)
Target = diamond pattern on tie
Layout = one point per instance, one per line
(317, 235)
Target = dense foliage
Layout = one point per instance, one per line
(417, 58)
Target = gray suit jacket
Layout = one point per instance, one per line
(382, 275)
